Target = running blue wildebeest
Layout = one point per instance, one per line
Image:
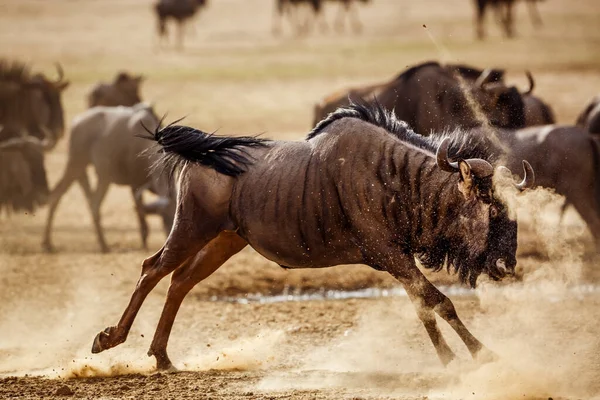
(363, 188)
(107, 137)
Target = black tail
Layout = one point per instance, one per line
(182, 144)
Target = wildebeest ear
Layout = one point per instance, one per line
(466, 179)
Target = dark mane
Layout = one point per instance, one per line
(463, 143)
(14, 71)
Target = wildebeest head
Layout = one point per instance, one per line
(129, 85)
(503, 105)
(47, 104)
(483, 237)
(32, 103)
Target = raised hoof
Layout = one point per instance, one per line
(100, 341)
(485, 356)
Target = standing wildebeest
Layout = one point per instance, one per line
(589, 119)
(31, 121)
(504, 13)
(431, 97)
(180, 11)
(363, 188)
(566, 159)
(291, 7)
(108, 138)
(123, 91)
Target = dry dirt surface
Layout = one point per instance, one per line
(253, 330)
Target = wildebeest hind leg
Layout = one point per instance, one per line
(97, 198)
(191, 232)
(184, 278)
(141, 214)
(57, 193)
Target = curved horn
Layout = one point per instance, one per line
(480, 168)
(483, 78)
(441, 157)
(61, 73)
(528, 179)
(531, 82)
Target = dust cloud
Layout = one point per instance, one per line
(542, 329)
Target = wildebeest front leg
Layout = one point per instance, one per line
(427, 298)
(207, 261)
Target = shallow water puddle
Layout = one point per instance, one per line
(578, 291)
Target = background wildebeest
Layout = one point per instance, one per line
(537, 112)
(503, 12)
(430, 97)
(124, 90)
(389, 199)
(180, 11)
(31, 121)
(291, 9)
(589, 119)
(566, 159)
(108, 138)
(316, 13)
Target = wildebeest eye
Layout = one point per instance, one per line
(493, 211)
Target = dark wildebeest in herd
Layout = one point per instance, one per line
(589, 119)
(363, 188)
(503, 10)
(108, 138)
(566, 159)
(31, 121)
(180, 11)
(124, 90)
(316, 11)
(431, 97)
(537, 112)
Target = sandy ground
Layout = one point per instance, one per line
(235, 76)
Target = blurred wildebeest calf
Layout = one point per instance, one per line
(108, 138)
(363, 188)
(124, 90)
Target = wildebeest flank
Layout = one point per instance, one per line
(107, 137)
(124, 90)
(362, 189)
(31, 121)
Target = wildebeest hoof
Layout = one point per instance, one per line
(48, 248)
(163, 363)
(104, 340)
(485, 356)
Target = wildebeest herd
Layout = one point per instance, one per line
(390, 174)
